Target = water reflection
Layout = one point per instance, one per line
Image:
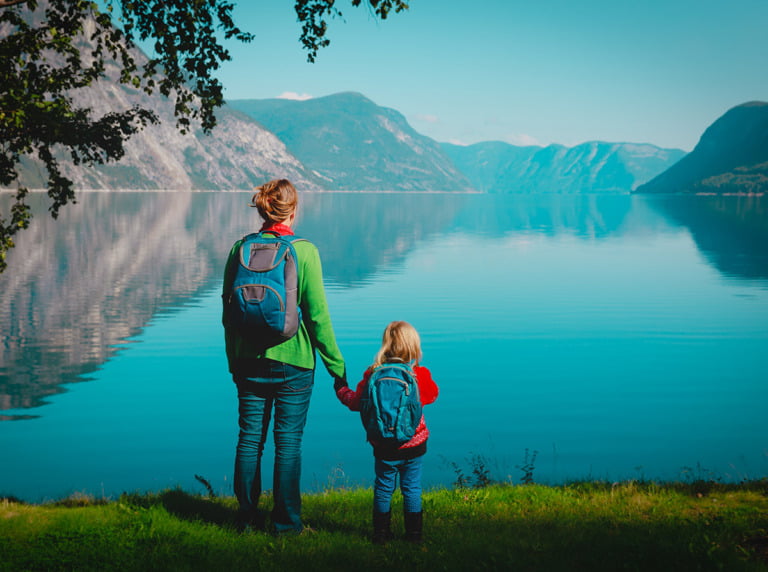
(730, 231)
(78, 287)
(584, 216)
(363, 234)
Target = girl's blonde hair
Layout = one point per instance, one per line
(276, 200)
(400, 342)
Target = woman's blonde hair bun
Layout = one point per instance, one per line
(276, 200)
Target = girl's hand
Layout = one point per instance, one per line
(339, 383)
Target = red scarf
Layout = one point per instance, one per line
(278, 227)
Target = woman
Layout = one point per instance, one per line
(279, 380)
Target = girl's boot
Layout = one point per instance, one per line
(414, 522)
(381, 527)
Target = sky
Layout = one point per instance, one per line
(528, 73)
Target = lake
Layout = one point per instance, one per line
(617, 337)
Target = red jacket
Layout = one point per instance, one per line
(417, 446)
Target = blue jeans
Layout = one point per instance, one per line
(410, 484)
(286, 389)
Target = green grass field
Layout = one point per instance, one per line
(584, 526)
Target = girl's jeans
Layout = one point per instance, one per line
(286, 390)
(410, 484)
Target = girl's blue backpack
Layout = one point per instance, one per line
(262, 304)
(391, 408)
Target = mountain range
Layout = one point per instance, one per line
(355, 144)
(343, 142)
(346, 141)
(595, 166)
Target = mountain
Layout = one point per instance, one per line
(499, 167)
(238, 154)
(354, 144)
(731, 157)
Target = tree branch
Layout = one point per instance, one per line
(6, 3)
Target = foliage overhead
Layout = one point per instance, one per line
(314, 15)
(50, 49)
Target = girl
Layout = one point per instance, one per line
(400, 344)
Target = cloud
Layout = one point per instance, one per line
(295, 96)
(523, 140)
(427, 118)
(516, 139)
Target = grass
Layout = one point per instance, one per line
(583, 526)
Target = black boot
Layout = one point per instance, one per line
(381, 527)
(414, 522)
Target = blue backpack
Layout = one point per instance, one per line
(391, 408)
(262, 304)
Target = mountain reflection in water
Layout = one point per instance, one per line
(79, 287)
(731, 231)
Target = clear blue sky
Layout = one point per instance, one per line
(549, 71)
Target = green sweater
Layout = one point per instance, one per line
(315, 331)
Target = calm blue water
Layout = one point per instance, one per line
(619, 337)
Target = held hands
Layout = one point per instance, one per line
(344, 394)
(340, 383)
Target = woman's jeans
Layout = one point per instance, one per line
(286, 390)
(410, 484)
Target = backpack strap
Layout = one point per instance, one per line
(292, 238)
(286, 242)
(401, 365)
(404, 367)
